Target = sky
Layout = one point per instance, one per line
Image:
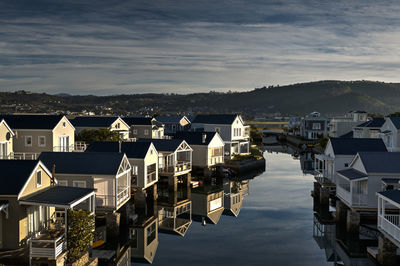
(115, 46)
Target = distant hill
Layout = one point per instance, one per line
(327, 97)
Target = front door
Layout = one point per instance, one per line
(3, 150)
(64, 143)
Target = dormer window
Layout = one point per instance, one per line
(38, 178)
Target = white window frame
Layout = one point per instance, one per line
(75, 182)
(37, 174)
(135, 170)
(40, 145)
(146, 132)
(26, 138)
(63, 183)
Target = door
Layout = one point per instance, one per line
(3, 150)
(64, 143)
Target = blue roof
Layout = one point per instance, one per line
(131, 149)
(352, 174)
(31, 121)
(381, 162)
(375, 122)
(393, 195)
(93, 121)
(195, 138)
(175, 119)
(164, 144)
(351, 146)
(87, 163)
(14, 174)
(396, 121)
(215, 119)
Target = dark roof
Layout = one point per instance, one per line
(347, 135)
(106, 163)
(396, 121)
(131, 149)
(93, 121)
(131, 120)
(352, 174)
(58, 195)
(195, 138)
(381, 162)
(350, 146)
(215, 119)
(31, 121)
(170, 119)
(14, 174)
(375, 122)
(164, 144)
(391, 194)
(390, 180)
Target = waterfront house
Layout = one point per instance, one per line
(107, 172)
(390, 133)
(341, 125)
(314, 126)
(207, 203)
(369, 129)
(233, 197)
(27, 210)
(389, 215)
(113, 123)
(208, 147)
(37, 133)
(144, 127)
(6, 140)
(338, 155)
(230, 127)
(357, 185)
(173, 124)
(142, 156)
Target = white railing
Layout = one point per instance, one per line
(46, 248)
(353, 199)
(151, 177)
(123, 194)
(182, 166)
(105, 201)
(5, 157)
(63, 148)
(343, 194)
(390, 224)
(216, 160)
(24, 155)
(80, 145)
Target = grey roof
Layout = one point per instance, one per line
(392, 195)
(164, 144)
(381, 162)
(93, 121)
(58, 195)
(132, 120)
(106, 163)
(352, 174)
(215, 119)
(396, 121)
(31, 121)
(131, 149)
(195, 138)
(375, 122)
(390, 180)
(350, 146)
(14, 174)
(173, 119)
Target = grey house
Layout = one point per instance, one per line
(144, 127)
(314, 127)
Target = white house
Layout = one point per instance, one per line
(369, 129)
(390, 133)
(389, 215)
(341, 125)
(231, 128)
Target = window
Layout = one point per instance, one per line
(316, 126)
(134, 170)
(135, 131)
(118, 125)
(3, 150)
(28, 141)
(79, 183)
(38, 178)
(42, 141)
(63, 183)
(146, 132)
(151, 233)
(64, 124)
(346, 165)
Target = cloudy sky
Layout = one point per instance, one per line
(114, 46)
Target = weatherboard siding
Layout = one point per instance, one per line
(31, 185)
(3, 133)
(59, 131)
(19, 140)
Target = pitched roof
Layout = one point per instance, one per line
(131, 149)
(32, 121)
(215, 119)
(393, 195)
(396, 121)
(164, 144)
(106, 163)
(134, 120)
(195, 138)
(171, 119)
(352, 174)
(93, 121)
(350, 146)
(375, 122)
(381, 162)
(14, 174)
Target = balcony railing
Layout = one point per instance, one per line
(47, 245)
(24, 155)
(123, 194)
(151, 177)
(353, 199)
(390, 224)
(215, 160)
(179, 167)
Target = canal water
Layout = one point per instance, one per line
(274, 227)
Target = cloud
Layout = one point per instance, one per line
(188, 46)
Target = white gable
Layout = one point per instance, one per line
(357, 164)
(216, 142)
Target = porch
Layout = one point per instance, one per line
(389, 214)
(352, 188)
(176, 163)
(324, 173)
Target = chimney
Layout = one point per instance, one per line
(203, 138)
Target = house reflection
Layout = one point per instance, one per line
(234, 193)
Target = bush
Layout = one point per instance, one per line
(101, 134)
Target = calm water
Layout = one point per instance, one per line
(274, 227)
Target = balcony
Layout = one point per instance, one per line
(48, 244)
(352, 199)
(123, 194)
(390, 223)
(24, 155)
(151, 177)
(179, 168)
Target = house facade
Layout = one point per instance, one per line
(6, 140)
(389, 215)
(145, 127)
(314, 126)
(113, 123)
(207, 203)
(230, 127)
(339, 126)
(390, 133)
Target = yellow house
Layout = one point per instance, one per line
(6, 140)
(37, 133)
(113, 123)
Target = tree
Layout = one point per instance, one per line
(80, 233)
(101, 134)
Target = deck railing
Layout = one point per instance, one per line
(24, 155)
(179, 167)
(390, 224)
(123, 194)
(151, 177)
(47, 248)
(353, 199)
